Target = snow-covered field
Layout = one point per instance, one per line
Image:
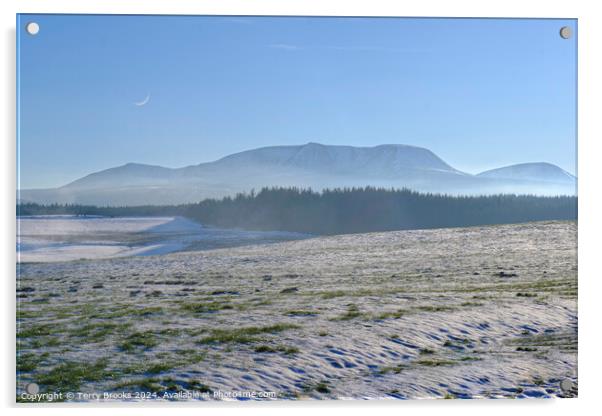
(449, 313)
(65, 238)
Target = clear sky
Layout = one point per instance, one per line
(480, 93)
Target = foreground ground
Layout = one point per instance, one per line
(453, 313)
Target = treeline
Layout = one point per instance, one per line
(341, 211)
(28, 209)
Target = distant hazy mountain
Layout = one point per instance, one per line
(545, 172)
(311, 165)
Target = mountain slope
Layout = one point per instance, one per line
(131, 174)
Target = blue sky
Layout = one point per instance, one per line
(480, 93)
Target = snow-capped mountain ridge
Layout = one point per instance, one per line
(311, 165)
(317, 156)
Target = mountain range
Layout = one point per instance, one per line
(310, 165)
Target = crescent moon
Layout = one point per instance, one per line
(143, 102)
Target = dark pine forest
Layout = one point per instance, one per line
(341, 211)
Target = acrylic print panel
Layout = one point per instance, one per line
(281, 208)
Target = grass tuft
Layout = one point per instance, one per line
(244, 334)
(139, 340)
(206, 307)
(281, 348)
(434, 363)
(352, 313)
(300, 312)
(69, 376)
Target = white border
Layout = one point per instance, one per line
(590, 276)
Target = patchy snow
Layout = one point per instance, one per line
(463, 312)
